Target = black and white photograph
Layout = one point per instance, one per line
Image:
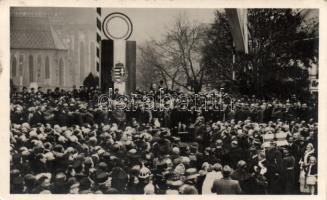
(164, 101)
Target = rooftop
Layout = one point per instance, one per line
(33, 33)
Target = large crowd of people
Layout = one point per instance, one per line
(69, 142)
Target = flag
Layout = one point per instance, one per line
(238, 22)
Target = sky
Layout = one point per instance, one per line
(148, 23)
(153, 23)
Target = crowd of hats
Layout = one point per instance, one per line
(111, 158)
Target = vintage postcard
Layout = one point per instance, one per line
(143, 99)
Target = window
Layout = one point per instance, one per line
(81, 61)
(31, 68)
(47, 67)
(61, 72)
(13, 66)
(39, 64)
(20, 67)
(92, 53)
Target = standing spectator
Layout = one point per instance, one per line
(311, 174)
(226, 185)
(213, 174)
(304, 162)
(242, 175)
(289, 163)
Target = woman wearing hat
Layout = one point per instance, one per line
(304, 162)
(214, 173)
(311, 175)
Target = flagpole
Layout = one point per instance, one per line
(98, 39)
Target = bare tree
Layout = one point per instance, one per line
(178, 55)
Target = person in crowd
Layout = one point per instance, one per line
(243, 176)
(226, 185)
(289, 163)
(311, 175)
(214, 173)
(64, 142)
(304, 163)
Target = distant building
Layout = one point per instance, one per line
(37, 53)
(52, 47)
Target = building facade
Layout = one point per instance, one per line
(52, 47)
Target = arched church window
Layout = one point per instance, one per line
(81, 61)
(31, 68)
(39, 65)
(13, 66)
(61, 71)
(20, 66)
(47, 67)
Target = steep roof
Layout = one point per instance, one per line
(33, 33)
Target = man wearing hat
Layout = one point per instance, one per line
(189, 189)
(119, 180)
(242, 175)
(275, 172)
(101, 181)
(17, 185)
(192, 178)
(226, 185)
(289, 163)
(85, 186)
(173, 186)
(220, 153)
(236, 153)
(43, 184)
(59, 185)
(73, 185)
(30, 182)
(18, 116)
(162, 146)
